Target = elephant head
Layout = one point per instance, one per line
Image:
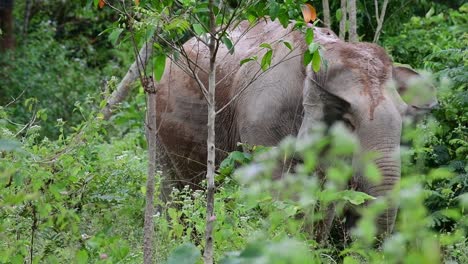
(359, 85)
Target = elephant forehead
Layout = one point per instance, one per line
(371, 61)
(325, 36)
(372, 68)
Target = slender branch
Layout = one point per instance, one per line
(14, 99)
(28, 125)
(211, 150)
(124, 87)
(183, 53)
(380, 19)
(256, 76)
(200, 84)
(237, 41)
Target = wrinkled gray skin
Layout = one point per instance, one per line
(360, 86)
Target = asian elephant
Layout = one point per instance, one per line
(359, 85)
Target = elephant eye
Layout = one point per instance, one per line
(347, 121)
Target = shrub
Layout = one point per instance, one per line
(438, 44)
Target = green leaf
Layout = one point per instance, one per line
(350, 260)
(186, 253)
(288, 45)
(283, 18)
(159, 66)
(339, 14)
(227, 41)
(16, 259)
(430, 12)
(355, 197)
(266, 60)
(199, 29)
(313, 47)
(316, 61)
(307, 58)
(114, 35)
(253, 58)
(266, 46)
(251, 251)
(309, 36)
(274, 10)
(81, 257)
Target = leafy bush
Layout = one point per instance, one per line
(74, 198)
(438, 44)
(57, 74)
(262, 221)
(78, 197)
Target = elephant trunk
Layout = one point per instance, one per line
(381, 135)
(389, 166)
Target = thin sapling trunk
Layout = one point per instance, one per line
(379, 18)
(353, 36)
(326, 13)
(342, 33)
(210, 162)
(151, 130)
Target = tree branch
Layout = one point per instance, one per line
(380, 19)
(151, 137)
(124, 87)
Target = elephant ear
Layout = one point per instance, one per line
(419, 94)
(320, 106)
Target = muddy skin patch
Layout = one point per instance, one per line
(373, 68)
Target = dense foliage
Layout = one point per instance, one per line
(75, 195)
(59, 67)
(438, 44)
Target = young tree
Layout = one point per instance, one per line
(27, 15)
(326, 13)
(170, 20)
(343, 12)
(379, 18)
(353, 36)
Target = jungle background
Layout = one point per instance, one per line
(72, 184)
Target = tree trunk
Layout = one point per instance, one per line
(27, 16)
(210, 162)
(7, 39)
(379, 18)
(123, 88)
(353, 36)
(151, 131)
(342, 33)
(326, 13)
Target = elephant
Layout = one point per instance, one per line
(358, 84)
